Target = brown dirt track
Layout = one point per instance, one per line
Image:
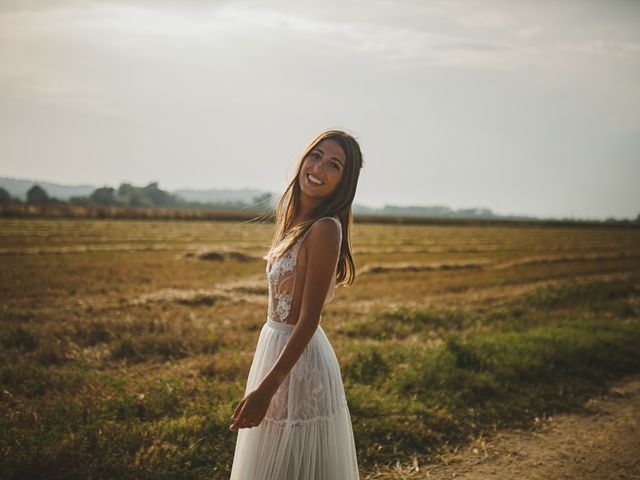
(600, 442)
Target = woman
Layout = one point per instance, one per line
(293, 422)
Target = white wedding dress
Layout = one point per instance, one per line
(306, 433)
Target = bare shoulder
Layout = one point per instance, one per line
(325, 234)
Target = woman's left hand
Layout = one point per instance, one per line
(251, 409)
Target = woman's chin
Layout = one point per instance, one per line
(315, 196)
(311, 190)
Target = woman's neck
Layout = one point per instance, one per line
(306, 206)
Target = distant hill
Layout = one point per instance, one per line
(435, 211)
(18, 188)
(438, 211)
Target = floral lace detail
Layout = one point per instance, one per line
(281, 276)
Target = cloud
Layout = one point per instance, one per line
(603, 47)
(529, 32)
(489, 20)
(12, 6)
(388, 42)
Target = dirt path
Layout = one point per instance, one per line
(601, 443)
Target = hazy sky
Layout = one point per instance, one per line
(526, 107)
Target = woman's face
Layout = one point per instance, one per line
(322, 169)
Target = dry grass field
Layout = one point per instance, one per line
(125, 344)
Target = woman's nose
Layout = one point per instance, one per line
(321, 166)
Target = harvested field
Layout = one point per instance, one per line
(126, 343)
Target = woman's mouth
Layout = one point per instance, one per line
(314, 180)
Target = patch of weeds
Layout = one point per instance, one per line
(53, 352)
(427, 317)
(92, 333)
(595, 296)
(65, 443)
(464, 357)
(226, 366)
(125, 348)
(388, 426)
(623, 308)
(162, 400)
(167, 346)
(25, 377)
(402, 321)
(21, 338)
(374, 329)
(366, 365)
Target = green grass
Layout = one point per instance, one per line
(476, 383)
(594, 296)
(156, 432)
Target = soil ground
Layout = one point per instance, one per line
(600, 442)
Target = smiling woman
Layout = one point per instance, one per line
(322, 169)
(294, 420)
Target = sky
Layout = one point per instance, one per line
(523, 107)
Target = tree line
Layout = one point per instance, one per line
(152, 196)
(127, 195)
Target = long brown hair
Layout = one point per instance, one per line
(338, 204)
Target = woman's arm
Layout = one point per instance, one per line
(322, 251)
(322, 255)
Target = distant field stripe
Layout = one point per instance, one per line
(483, 263)
(422, 267)
(565, 259)
(196, 251)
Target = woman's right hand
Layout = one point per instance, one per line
(251, 409)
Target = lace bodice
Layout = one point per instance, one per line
(281, 277)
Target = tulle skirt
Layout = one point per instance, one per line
(306, 433)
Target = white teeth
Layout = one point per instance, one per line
(314, 179)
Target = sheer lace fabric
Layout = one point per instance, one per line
(306, 433)
(281, 276)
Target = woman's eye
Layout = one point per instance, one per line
(335, 165)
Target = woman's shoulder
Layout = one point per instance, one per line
(325, 231)
(328, 219)
(326, 224)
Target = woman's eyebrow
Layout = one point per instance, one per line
(335, 158)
